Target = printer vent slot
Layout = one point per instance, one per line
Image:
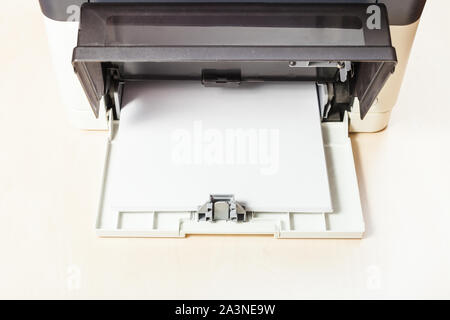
(220, 78)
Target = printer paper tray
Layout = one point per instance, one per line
(346, 221)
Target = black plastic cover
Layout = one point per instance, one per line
(259, 42)
(401, 12)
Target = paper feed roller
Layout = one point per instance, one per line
(346, 48)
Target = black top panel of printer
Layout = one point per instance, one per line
(401, 12)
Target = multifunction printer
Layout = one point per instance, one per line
(230, 117)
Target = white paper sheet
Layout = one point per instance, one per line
(179, 142)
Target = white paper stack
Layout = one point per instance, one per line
(179, 142)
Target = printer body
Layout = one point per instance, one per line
(355, 52)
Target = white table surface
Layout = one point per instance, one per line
(50, 180)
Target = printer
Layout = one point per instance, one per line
(290, 79)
